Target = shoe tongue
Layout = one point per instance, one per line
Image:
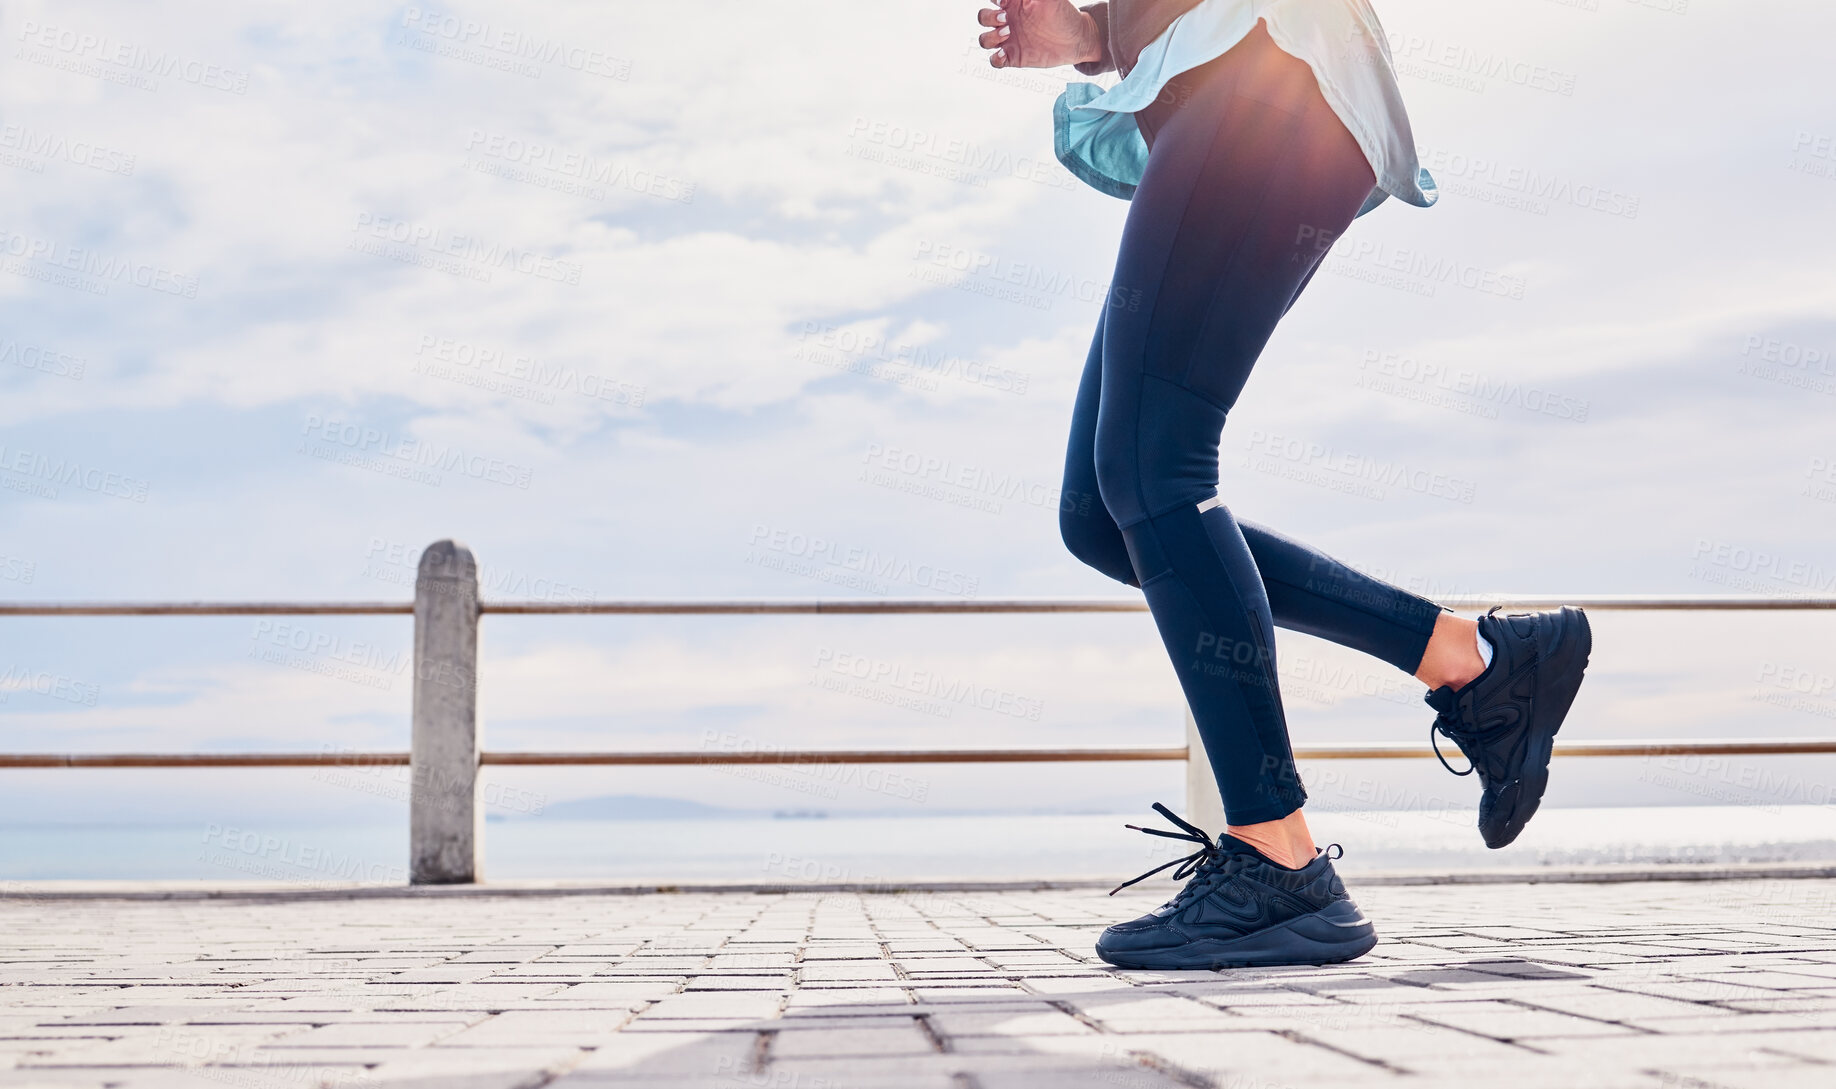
(1441, 699)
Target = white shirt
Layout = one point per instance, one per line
(1341, 40)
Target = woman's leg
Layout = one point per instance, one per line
(1311, 592)
(1307, 590)
(1083, 521)
(1249, 172)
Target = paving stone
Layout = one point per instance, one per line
(1505, 1021)
(837, 950)
(1255, 1055)
(745, 962)
(164, 1046)
(528, 1028)
(678, 1025)
(1744, 1076)
(1406, 1045)
(847, 970)
(953, 1024)
(392, 1033)
(474, 1068)
(1138, 1012)
(834, 1001)
(135, 1015)
(763, 981)
(754, 1004)
(888, 1038)
(968, 991)
(467, 999)
(1625, 1007)
(614, 995)
(689, 1054)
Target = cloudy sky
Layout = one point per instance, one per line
(702, 299)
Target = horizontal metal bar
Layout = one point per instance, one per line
(765, 607)
(1372, 751)
(843, 607)
(1471, 602)
(373, 759)
(762, 607)
(207, 608)
(840, 756)
(1640, 602)
(201, 760)
(1755, 747)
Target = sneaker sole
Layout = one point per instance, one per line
(1572, 652)
(1337, 932)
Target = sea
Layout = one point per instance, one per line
(811, 847)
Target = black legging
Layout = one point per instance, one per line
(1249, 178)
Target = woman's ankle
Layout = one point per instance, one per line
(1451, 659)
(1286, 842)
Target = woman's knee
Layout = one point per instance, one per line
(1162, 456)
(1091, 535)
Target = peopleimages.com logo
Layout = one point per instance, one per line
(855, 566)
(403, 455)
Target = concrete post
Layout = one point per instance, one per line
(444, 821)
(1204, 805)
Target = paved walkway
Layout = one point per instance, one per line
(1682, 985)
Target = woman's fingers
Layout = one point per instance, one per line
(995, 39)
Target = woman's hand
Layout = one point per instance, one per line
(1038, 34)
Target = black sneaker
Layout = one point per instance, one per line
(1505, 719)
(1239, 909)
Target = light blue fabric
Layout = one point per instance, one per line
(1103, 150)
(1097, 140)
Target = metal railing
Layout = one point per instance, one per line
(444, 814)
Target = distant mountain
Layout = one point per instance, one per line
(640, 807)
